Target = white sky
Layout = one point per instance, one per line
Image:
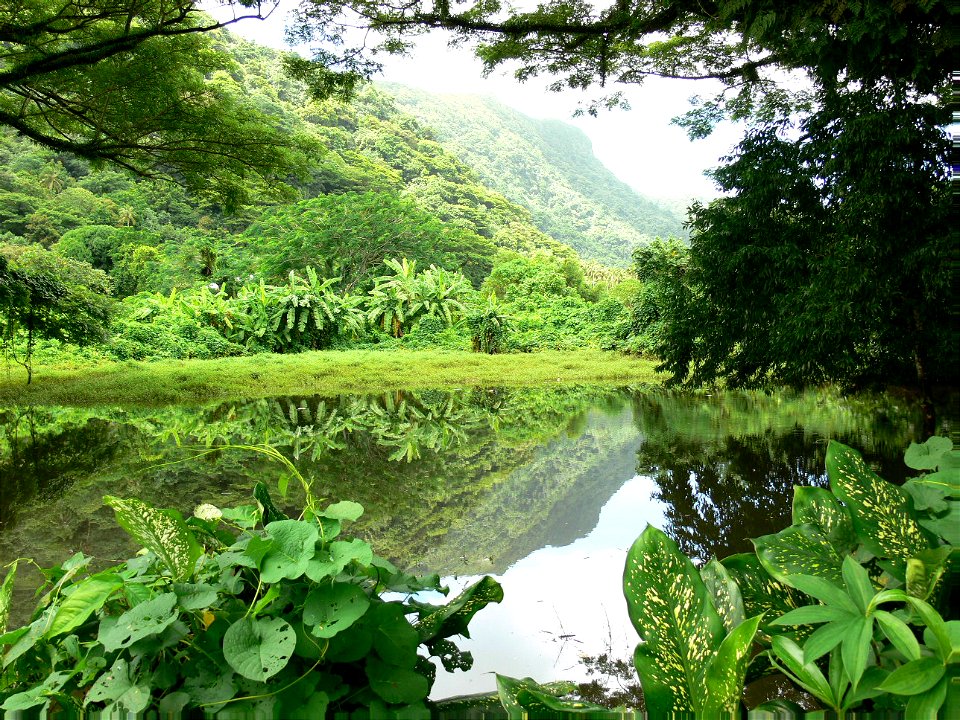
(639, 145)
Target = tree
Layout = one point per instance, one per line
(45, 295)
(125, 81)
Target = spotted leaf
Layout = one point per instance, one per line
(679, 628)
(161, 531)
(725, 593)
(799, 550)
(820, 508)
(882, 514)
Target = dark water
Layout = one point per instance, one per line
(544, 488)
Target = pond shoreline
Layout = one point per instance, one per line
(328, 372)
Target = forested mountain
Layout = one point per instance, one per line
(548, 167)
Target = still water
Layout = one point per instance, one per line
(545, 489)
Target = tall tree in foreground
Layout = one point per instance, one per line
(128, 82)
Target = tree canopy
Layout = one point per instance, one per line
(133, 82)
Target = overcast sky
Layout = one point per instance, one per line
(639, 145)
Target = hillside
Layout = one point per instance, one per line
(548, 167)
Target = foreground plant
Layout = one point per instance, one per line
(870, 563)
(238, 608)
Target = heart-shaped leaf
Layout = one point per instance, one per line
(259, 648)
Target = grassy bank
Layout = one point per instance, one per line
(360, 371)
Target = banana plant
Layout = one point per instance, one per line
(687, 659)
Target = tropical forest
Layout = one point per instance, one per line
(328, 395)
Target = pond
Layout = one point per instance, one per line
(545, 489)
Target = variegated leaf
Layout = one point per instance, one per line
(725, 676)
(819, 507)
(165, 534)
(799, 549)
(679, 627)
(881, 511)
(725, 593)
(761, 593)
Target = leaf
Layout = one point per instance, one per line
(761, 593)
(332, 562)
(806, 673)
(926, 706)
(165, 534)
(927, 456)
(395, 684)
(332, 608)
(258, 648)
(195, 596)
(812, 614)
(344, 510)
(117, 686)
(292, 547)
(899, 634)
(820, 508)
(881, 512)
(268, 511)
(6, 596)
(858, 583)
(826, 638)
(725, 676)
(799, 550)
(915, 677)
(725, 593)
(37, 695)
(670, 609)
(947, 526)
(824, 591)
(85, 598)
(148, 618)
(855, 648)
(454, 617)
(394, 638)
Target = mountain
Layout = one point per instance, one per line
(548, 167)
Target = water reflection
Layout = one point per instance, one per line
(545, 488)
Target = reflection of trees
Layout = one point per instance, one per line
(721, 494)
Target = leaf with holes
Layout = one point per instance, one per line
(681, 630)
(332, 608)
(259, 648)
(118, 687)
(291, 549)
(332, 562)
(148, 618)
(453, 618)
(882, 515)
(162, 532)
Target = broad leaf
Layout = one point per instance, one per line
(855, 648)
(806, 673)
(162, 532)
(725, 593)
(332, 562)
(724, 679)
(292, 547)
(881, 511)
(85, 598)
(453, 618)
(916, 677)
(195, 596)
(148, 618)
(899, 633)
(394, 638)
(6, 596)
(37, 695)
(332, 608)
(927, 456)
(819, 507)
(762, 594)
(395, 684)
(799, 550)
(118, 686)
(259, 648)
(672, 612)
(344, 510)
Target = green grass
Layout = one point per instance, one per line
(321, 373)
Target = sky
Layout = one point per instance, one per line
(638, 145)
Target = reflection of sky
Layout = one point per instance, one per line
(559, 603)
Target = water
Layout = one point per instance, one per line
(545, 489)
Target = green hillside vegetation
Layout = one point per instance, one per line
(549, 167)
(394, 242)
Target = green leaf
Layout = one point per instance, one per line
(395, 684)
(290, 551)
(899, 634)
(26, 638)
(332, 562)
(799, 550)
(925, 570)
(935, 624)
(761, 593)
(333, 608)
(394, 638)
(812, 614)
(946, 526)
(826, 638)
(118, 686)
(454, 617)
(820, 508)
(824, 591)
(195, 596)
(855, 648)
(881, 511)
(85, 598)
(258, 648)
(671, 611)
(926, 706)
(164, 533)
(148, 618)
(6, 596)
(725, 594)
(858, 583)
(37, 695)
(725, 675)
(927, 456)
(807, 674)
(915, 677)
(344, 510)
(268, 511)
